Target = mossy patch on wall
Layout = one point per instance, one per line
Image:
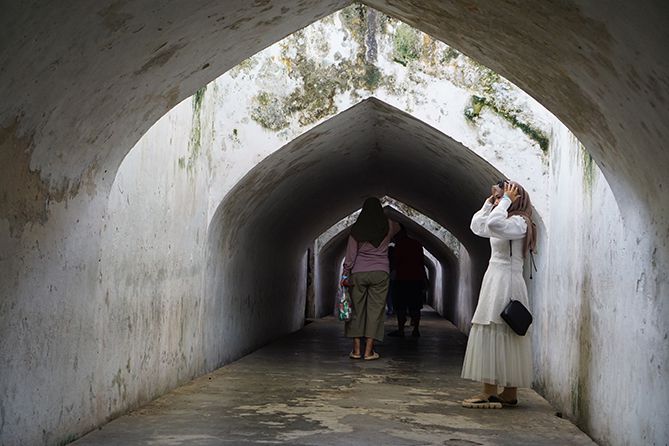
(319, 82)
(318, 77)
(313, 99)
(244, 67)
(372, 78)
(195, 138)
(407, 45)
(472, 112)
(589, 171)
(268, 110)
(354, 19)
(198, 97)
(479, 102)
(448, 55)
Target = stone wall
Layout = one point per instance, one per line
(599, 333)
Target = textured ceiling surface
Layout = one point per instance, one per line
(80, 85)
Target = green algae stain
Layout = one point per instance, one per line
(449, 55)
(588, 168)
(487, 84)
(198, 97)
(318, 83)
(407, 45)
(267, 110)
(373, 77)
(313, 99)
(535, 134)
(473, 111)
(354, 19)
(244, 67)
(195, 138)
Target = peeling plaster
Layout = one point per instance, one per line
(26, 196)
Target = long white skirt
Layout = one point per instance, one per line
(497, 355)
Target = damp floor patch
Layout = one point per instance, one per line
(304, 389)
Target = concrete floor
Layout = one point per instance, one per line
(304, 390)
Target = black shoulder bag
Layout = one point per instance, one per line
(515, 314)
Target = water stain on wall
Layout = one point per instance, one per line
(25, 195)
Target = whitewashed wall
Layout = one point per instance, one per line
(601, 351)
(181, 170)
(599, 342)
(252, 117)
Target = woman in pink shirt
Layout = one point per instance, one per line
(366, 270)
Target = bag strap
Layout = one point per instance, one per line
(533, 265)
(510, 269)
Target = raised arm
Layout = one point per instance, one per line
(479, 220)
(500, 226)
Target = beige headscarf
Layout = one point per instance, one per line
(523, 206)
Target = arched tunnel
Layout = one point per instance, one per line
(293, 195)
(443, 271)
(87, 325)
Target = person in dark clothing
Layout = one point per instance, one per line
(410, 282)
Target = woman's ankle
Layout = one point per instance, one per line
(509, 394)
(489, 389)
(369, 346)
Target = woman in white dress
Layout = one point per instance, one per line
(497, 356)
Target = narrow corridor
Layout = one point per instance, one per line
(304, 390)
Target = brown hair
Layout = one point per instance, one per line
(523, 206)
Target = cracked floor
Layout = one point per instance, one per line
(304, 390)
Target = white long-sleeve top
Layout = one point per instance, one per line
(503, 280)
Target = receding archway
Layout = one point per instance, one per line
(300, 190)
(329, 258)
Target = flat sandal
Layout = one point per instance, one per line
(482, 402)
